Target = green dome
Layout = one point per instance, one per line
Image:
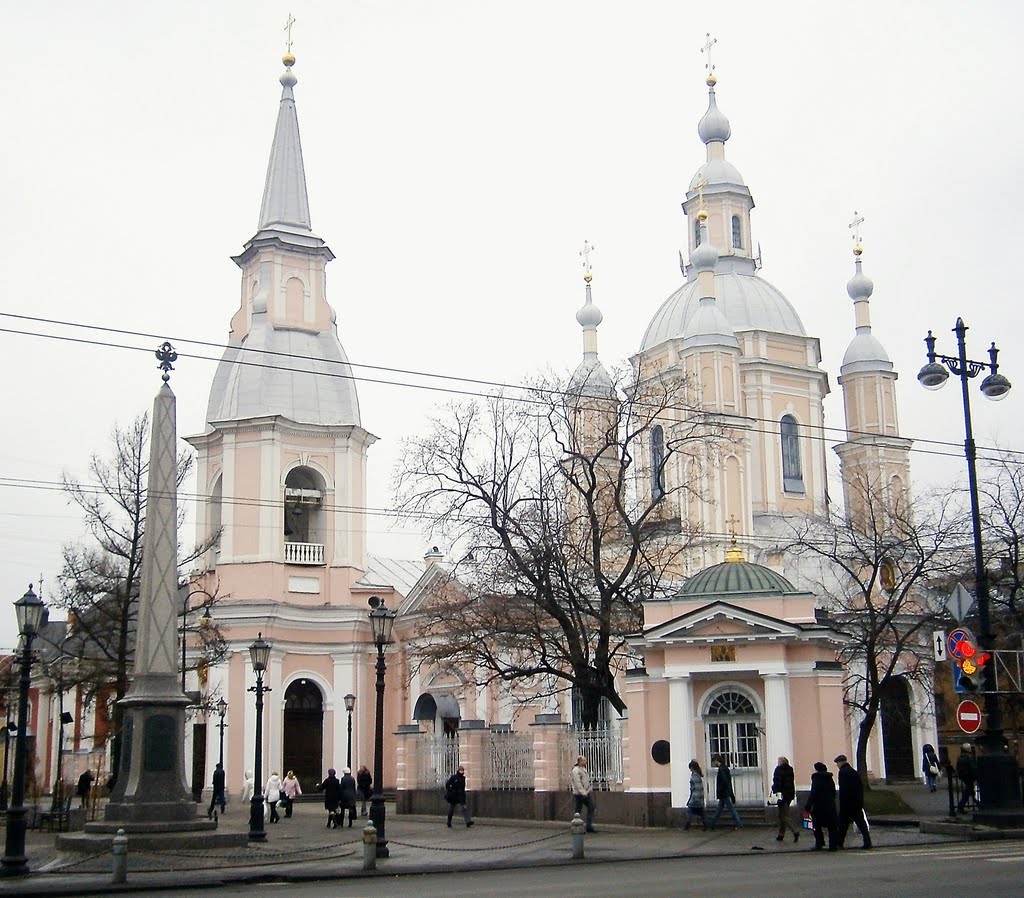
(739, 577)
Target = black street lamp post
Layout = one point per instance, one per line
(350, 703)
(9, 728)
(259, 654)
(222, 707)
(382, 621)
(997, 770)
(31, 613)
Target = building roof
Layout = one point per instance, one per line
(400, 574)
(748, 302)
(736, 578)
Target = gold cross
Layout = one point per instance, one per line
(288, 28)
(858, 220)
(588, 248)
(702, 182)
(733, 522)
(711, 41)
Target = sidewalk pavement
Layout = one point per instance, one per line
(302, 848)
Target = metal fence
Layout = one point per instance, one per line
(601, 745)
(509, 761)
(437, 758)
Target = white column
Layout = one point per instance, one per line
(344, 682)
(228, 492)
(273, 714)
(271, 539)
(680, 735)
(777, 722)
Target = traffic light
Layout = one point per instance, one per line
(971, 672)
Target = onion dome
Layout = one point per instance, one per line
(714, 126)
(704, 257)
(591, 378)
(865, 352)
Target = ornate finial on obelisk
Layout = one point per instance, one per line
(167, 357)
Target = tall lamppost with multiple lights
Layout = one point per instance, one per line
(382, 620)
(350, 704)
(997, 770)
(259, 654)
(31, 613)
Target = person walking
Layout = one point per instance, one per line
(248, 784)
(291, 790)
(851, 802)
(821, 805)
(218, 791)
(784, 785)
(455, 794)
(695, 803)
(930, 766)
(364, 784)
(723, 792)
(348, 796)
(272, 795)
(84, 785)
(967, 773)
(332, 797)
(583, 791)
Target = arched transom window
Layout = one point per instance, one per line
(731, 703)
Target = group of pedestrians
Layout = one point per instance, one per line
(341, 795)
(724, 794)
(821, 805)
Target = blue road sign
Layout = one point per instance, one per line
(960, 686)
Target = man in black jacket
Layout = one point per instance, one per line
(218, 797)
(851, 802)
(723, 792)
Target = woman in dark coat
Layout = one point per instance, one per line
(364, 783)
(821, 804)
(348, 795)
(784, 785)
(930, 766)
(332, 797)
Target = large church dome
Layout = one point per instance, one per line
(302, 376)
(737, 578)
(748, 301)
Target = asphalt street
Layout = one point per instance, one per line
(988, 869)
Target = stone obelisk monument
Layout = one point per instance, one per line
(152, 784)
(152, 801)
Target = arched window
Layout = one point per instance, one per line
(737, 233)
(657, 462)
(792, 470)
(696, 233)
(731, 703)
(303, 517)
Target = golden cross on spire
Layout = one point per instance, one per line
(288, 28)
(733, 522)
(734, 552)
(710, 42)
(702, 182)
(588, 248)
(858, 220)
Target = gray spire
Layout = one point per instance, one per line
(285, 203)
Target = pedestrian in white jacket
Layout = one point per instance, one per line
(272, 795)
(582, 791)
(248, 784)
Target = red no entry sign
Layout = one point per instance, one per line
(968, 716)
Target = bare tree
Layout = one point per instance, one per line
(882, 580)
(1002, 507)
(559, 535)
(101, 579)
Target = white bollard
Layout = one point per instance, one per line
(577, 828)
(119, 850)
(370, 847)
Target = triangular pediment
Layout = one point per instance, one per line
(722, 621)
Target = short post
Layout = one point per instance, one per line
(577, 828)
(369, 847)
(119, 850)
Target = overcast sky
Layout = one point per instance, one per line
(457, 155)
